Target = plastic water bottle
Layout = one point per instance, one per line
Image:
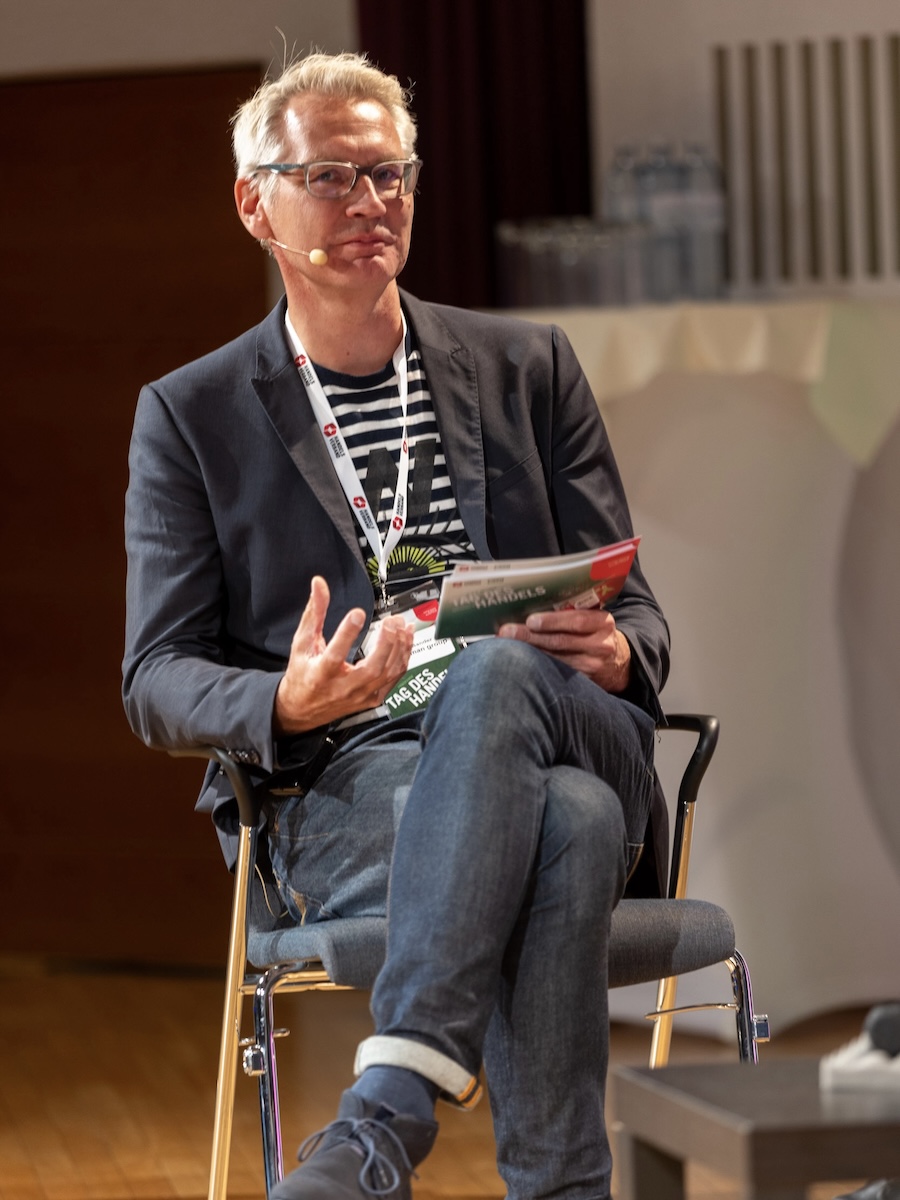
(703, 206)
(621, 215)
(620, 196)
(660, 198)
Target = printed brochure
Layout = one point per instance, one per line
(478, 597)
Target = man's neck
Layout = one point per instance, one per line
(348, 333)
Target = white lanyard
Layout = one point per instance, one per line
(343, 463)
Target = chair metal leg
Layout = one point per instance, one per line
(662, 1022)
(269, 1106)
(260, 1057)
(231, 1020)
(751, 1029)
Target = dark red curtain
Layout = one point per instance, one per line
(501, 99)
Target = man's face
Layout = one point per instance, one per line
(366, 238)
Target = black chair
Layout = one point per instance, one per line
(652, 939)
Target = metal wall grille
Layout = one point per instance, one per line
(809, 137)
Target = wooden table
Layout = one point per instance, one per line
(768, 1126)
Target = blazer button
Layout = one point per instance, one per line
(245, 756)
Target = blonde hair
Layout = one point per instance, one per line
(258, 125)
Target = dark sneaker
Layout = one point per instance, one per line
(370, 1150)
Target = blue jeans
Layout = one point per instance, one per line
(504, 821)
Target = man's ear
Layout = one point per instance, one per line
(251, 209)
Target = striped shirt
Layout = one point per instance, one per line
(367, 409)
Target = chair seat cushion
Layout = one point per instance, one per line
(652, 939)
(350, 949)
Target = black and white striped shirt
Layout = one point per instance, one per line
(367, 409)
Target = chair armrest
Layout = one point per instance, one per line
(248, 802)
(707, 730)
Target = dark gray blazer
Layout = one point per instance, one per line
(233, 505)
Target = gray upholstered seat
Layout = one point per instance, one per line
(350, 950)
(650, 939)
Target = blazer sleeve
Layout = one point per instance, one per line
(591, 508)
(178, 689)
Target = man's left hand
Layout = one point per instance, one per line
(585, 638)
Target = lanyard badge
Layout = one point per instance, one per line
(343, 463)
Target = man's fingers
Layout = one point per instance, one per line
(387, 657)
(321, 681)
(579, 621)
(309, 637)
(312, 619)
(344, 636)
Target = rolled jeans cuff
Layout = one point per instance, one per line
(456, 1084)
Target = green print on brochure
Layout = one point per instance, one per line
(477, 598)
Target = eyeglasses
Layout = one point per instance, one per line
(334, 180)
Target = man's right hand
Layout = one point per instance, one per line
(320, 685)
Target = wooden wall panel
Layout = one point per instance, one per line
(122, 258)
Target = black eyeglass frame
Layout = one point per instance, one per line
(407, 181)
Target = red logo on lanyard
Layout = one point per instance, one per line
(359, 502)
(330, 430)
(397, 522)
(300, 360)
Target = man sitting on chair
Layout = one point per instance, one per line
(468, 437)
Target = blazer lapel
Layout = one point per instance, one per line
(453, 384)
(283, 396)
(452, 381)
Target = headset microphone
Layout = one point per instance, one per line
(317, 257)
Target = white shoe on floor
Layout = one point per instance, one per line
(878, 1189)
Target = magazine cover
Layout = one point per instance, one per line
(478, 597)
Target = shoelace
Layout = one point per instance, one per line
(362, 1131)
